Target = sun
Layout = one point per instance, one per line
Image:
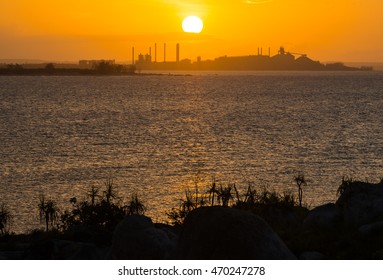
(192, 24)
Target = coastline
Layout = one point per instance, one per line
(256, 225)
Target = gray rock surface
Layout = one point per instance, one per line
(311, 256)
(226, 233)
(323, 217)
(63, 250)
(136, 237)
(361, 203)
(371, 229)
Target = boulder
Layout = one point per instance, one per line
(282, 217)
(69, 250)
(371, 229)
(361, 203)
(56, 249)
(40, 250)
(137, 238)
(88, 234)
(323, 217)
(11, 255)
(311, 256)
(227, 233)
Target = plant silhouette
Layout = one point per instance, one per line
(48, 212)
(5, 220)
(135, 206)
(102, 212)
(300, 181)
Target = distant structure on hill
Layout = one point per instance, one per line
(282, 61)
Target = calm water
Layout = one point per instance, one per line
(158, 135)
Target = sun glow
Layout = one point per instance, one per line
(192, 24)
(73, 30)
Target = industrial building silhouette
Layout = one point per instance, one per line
(283, 60)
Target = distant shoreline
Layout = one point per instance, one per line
(283, 61)
(87, 72)
(60, 72)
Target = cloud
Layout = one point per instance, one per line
(257, 1)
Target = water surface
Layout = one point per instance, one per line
(158, 135)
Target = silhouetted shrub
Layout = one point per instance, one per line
(229, 196)
(135, 206)
(102, 212)
(48, 212)
(5, 220)
(191, 202)
(346, 183)
(300, 181)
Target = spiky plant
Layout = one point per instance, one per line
(135, 206)
(48, 212)
(225, 194)
(93, 194)
(300, 181)
(109, 192)
(213, 191)
(5, 220)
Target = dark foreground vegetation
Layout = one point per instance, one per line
(217, 223)
(102, 68)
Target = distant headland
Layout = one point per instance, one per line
(282, 61)
(85, 67)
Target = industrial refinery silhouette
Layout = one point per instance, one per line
(283, 60)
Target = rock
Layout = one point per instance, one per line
(63, 250)
(371, 229)
(170, 232)
(311, 256)
(323, 217)
(88, 234)
(361, 203)
(135, 237)
(11, 255)
(40, 250)
(226, 233)
(377, 255)
(282, 217)
(68, 250)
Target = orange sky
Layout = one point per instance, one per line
(327, 30)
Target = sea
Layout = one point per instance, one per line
(159, 135)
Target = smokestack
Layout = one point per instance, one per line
(164, 52)
(269, 52)
(150, 51)
(178, 52)
(133, 55)
(155, 52)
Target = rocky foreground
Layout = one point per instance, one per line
(350, 228)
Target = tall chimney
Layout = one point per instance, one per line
(164, 52)
(178, 52)
(155, 52)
